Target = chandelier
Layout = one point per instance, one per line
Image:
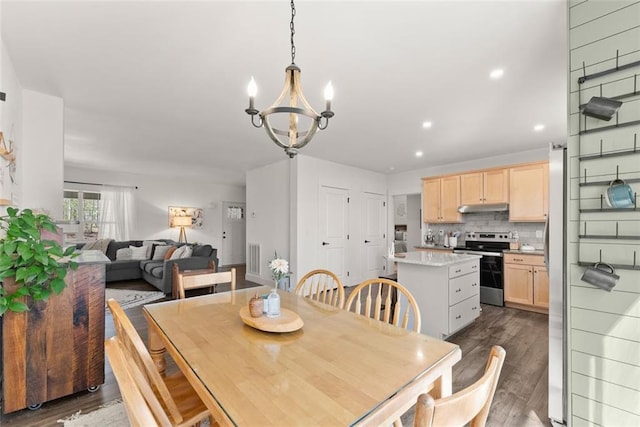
(291, 139)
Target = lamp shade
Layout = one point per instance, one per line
(181, 221)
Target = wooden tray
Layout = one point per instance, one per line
(288, 321)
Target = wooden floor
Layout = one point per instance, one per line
(521, 398)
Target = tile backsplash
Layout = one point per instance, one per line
(491, 221)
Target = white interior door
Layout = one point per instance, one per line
(334, 228)
(233, 234)
(374, 216)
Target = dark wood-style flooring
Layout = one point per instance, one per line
(521, 398)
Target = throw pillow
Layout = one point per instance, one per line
(178, 252)
(188, 251)
(170, 252)
(160, 251)
(138, 252)
(123, 254)
(151, 244)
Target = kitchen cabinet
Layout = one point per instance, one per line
(478, 188)
(526, 282)
(529, 192)
(440, 199)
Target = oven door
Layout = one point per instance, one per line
(491, 276)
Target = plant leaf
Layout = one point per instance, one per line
(17, 306)
(10, 248)
(57, 285)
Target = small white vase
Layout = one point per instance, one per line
(273, 309)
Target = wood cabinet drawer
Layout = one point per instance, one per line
(462, 269)
(461, 288)
(463, 313)
(524, 259)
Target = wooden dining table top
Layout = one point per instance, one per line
(338, 369)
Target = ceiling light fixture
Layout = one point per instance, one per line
(418, 153)
(426, 125)
(497, 73)
(538, 127)
(291, 140)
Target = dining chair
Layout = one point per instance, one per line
(198, 279)
(470, 405)
(322, 286)
(135, 403)
(384, 299)
(177, 399)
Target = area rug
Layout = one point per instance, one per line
(128, 298)
(112, 414)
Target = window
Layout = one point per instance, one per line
(81, 208)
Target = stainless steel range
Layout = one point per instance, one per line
(491, 246)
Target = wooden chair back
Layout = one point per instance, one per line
(135, 401)
(322, 286)
(137, 354)
(385, 300)
(470, 405)
(201, 279)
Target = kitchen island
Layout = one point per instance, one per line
(445, 286)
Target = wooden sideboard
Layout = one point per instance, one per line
(57, 348)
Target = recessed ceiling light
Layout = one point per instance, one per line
(426, 125)
(418, 153)
(538, 127)
(497, 73)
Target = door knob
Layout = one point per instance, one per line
(325, 243)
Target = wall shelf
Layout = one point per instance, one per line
(603, 231)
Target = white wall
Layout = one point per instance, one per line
(411, 182)
(156, 193)
(603, 327)
(414, 221)
(10, 121)
(311, 174)
(41, 155)
(268, 214)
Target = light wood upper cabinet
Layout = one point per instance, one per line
(528, 192)
(490, 186)
(441, 198)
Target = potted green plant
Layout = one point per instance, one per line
(30, 266)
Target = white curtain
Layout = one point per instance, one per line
(117, 213)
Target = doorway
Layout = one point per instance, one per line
(233, 234)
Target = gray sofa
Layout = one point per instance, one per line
(160, 273)
(154, 271)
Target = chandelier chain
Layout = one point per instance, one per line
(293, 31)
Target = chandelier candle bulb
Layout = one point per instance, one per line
(252, 89)
(328, 95)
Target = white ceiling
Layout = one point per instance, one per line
(151, 85)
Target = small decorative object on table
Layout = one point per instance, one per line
(279, 269)
(255, 306)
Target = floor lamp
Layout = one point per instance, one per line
(182, 222)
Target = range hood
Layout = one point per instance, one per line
(489, 207)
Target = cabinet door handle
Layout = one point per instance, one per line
(474, 266)
(458, 290)
(325, 243)
(458, 316)
(367, 241)
(474, 308)
(474, 284)
(518, 259)
(458, 271)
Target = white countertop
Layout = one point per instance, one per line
(434, 259)
(91, 257)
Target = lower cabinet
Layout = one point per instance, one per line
(448, 295)
(526, 282)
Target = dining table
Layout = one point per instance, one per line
(338, 368)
